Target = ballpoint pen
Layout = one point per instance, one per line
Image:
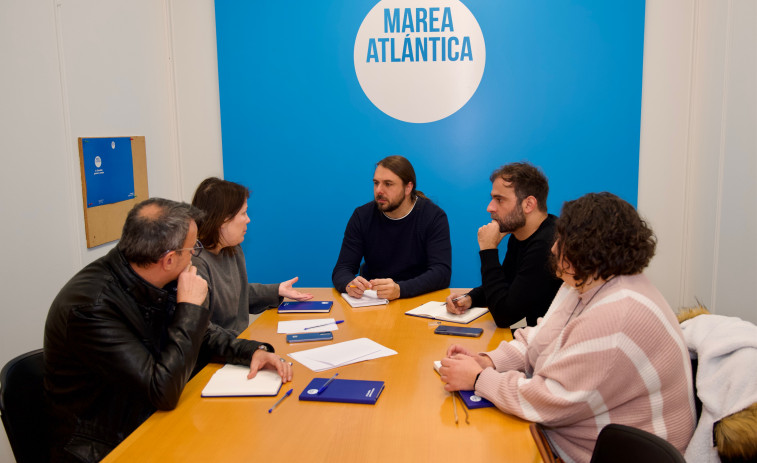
(288, 393)
(454, 406)
(456, 299)
(465, 409)
(323, 388)
(324, 324)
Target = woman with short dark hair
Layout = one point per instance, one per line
(608, 350)
(221, 232)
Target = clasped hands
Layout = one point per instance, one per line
(460, 367)
(385, 288)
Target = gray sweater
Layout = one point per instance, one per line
(231, 297)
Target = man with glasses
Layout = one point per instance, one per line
(125, 333)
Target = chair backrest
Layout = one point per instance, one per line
(617, 443)
(22, 405)
(548, 454)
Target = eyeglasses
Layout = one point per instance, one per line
(195, 250)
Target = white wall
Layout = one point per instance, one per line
(88, 68)
(73, 68)
(699, 151)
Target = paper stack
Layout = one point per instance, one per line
(342, 353)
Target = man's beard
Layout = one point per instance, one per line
(389, 206)
(512, 221)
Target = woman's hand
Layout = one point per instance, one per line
(286, 290)
(459, 372)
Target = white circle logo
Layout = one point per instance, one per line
(98, 162)
(419, 61)
(113, 145)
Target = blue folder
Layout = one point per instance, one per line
(305, 306)
(473, 401)
(352, 391)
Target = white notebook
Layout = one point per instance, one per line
(369, 298)
(438, 311)
(231, 381)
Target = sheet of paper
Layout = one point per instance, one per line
(340, 354)
(298, 326)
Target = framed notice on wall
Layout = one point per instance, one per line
(114, 178)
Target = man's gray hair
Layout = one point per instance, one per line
(147, 235)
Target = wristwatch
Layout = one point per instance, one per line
(263, 347)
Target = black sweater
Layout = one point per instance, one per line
(524, 285)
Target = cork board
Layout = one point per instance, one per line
(103, 223)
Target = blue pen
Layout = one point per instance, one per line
(324, 324)
(323, 388)
(289, 392)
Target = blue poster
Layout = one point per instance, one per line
(313, 95)
(108, 170)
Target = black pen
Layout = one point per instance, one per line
(323, 388)
(457, 298)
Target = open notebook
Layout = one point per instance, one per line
(438, 311)
(369, 298)
(231, 381)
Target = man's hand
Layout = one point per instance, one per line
(191, 287)
(460, 305)
(459, 372)
(386, 288)
(286, 290)
(262, 359)
(489, 236)
(357, 287)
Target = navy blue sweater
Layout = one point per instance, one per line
(414, 251)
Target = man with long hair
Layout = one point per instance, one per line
(401, 237)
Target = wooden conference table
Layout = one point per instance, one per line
(413, 419)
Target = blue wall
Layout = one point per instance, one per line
(561, 89)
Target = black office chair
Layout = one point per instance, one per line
(23, 409)
(616, 443)
(624, 444)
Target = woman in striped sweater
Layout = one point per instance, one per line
(609, 349)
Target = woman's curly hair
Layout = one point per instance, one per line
(601, 235)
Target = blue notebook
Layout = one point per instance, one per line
(305, 306)
(470, 398)
(352, 391)
(473, 401)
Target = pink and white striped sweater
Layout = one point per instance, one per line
(621, 359)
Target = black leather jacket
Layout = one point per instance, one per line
(116, 349)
